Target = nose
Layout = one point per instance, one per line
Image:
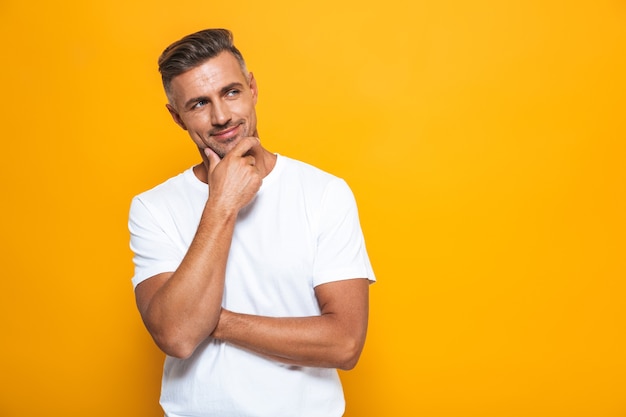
(220, 114)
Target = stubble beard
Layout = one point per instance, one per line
(219, 151)
(222, 148)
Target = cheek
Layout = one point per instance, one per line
(243, 108)
(197, 140)
(197, 128)
(198, 122)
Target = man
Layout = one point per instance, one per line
(251, 272)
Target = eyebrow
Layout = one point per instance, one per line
(223, 91)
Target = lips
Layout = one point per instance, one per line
(227, 133)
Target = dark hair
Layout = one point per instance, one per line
(193, 50)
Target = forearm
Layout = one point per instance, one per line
(319, 341)
(185, 309)
(334, 339)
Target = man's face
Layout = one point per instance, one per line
(215, 103)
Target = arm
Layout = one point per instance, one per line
(180, 309)
(334, 339)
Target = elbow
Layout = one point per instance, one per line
(178, 352)
(176, 339)
(349, 354)
(175, 345)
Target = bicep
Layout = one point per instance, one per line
(145, 291)
(347, 301)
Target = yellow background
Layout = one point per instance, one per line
(484, 142)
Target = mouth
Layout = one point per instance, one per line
(226, 134)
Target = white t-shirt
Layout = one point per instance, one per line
(301, 230)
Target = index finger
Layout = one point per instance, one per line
(245, 145)
(213, 158)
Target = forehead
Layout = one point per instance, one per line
(209, 77)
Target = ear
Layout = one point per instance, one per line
(253, 87)
(176, 116)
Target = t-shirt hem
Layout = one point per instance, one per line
(149, 273)
(333, 276)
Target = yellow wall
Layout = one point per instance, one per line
(484, 142)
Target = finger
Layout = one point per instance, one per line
(245, 145)
(214, 158)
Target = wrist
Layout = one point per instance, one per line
(222, 324)
(224, 213)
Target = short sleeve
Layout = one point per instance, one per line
(154, 252)
(340, 252)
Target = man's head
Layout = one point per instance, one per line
(211, 95)
(193, 50)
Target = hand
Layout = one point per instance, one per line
(234, 180)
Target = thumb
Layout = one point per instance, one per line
(213, 158)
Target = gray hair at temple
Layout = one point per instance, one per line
(193, 50)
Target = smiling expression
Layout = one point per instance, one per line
(215, 103)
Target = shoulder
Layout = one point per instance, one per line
(305, 172)
(174, 197)
(313, 185)
(173, 186)
(297, 165)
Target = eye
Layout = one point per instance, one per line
(200, 103)
(233, 93)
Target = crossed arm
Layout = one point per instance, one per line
(183, 308)
(334, 339)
